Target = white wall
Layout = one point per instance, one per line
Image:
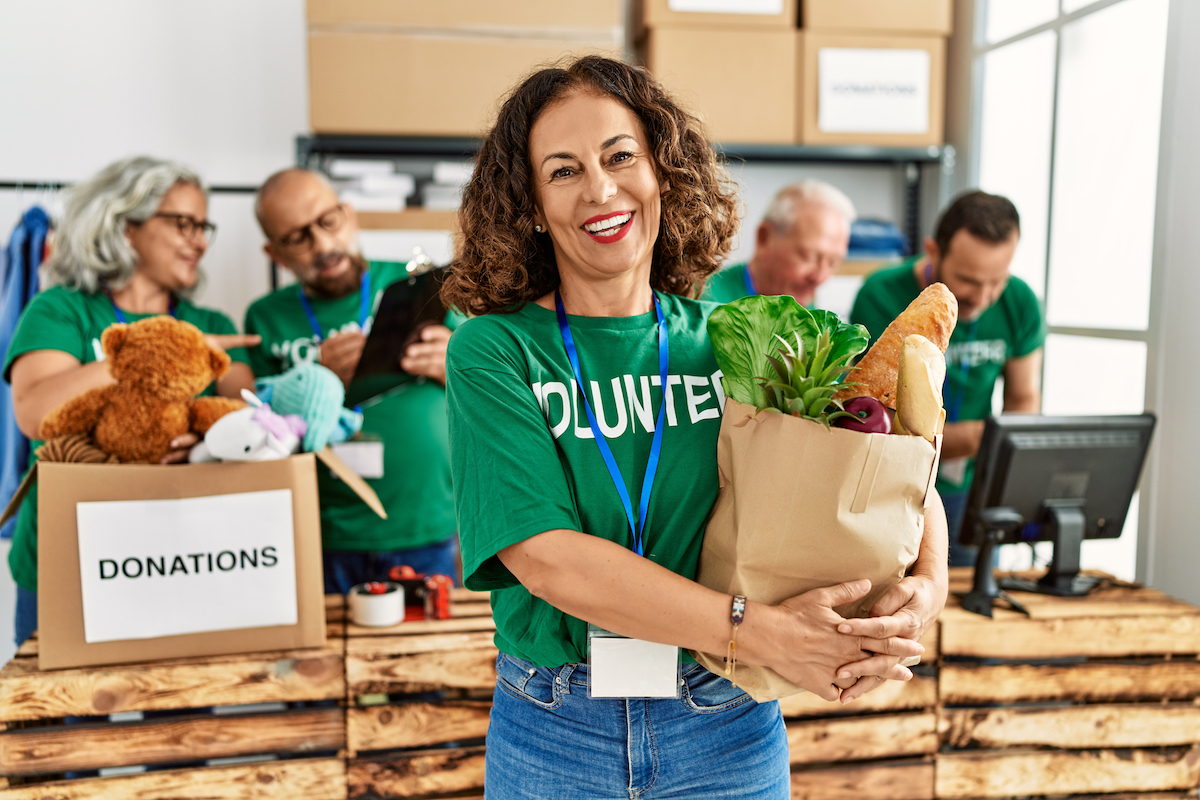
(1172, 549)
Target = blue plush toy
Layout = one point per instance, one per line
(316, 395)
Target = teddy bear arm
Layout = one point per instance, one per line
(79, 415)
(204, 411)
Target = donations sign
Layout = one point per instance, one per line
(873, 90)
(153, 568)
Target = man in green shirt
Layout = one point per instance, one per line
(800, 242)
(1000, 332)
(325, 317)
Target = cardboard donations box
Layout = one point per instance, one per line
(802, 507)
(140, 562)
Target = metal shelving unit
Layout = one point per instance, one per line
(314, 150)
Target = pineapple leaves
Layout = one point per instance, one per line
(777, 355)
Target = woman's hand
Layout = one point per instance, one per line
(231, 341)
(807, 648)
(180, 447)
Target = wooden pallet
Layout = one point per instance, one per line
(1092, 695)
(58, 723)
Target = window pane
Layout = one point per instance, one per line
(1086, 375)
(1075, 5)
(1007, 18)
(1014, 148)
(1106, 166)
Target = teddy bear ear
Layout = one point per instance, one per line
(113, 338)
(219, 360)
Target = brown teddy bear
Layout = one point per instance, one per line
(160, 365)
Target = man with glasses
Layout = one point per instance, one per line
(325, 317)
(803, 237)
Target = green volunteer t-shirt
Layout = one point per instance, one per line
(72, 321)
(1012, 327)
(727, 285)
(410, 421)
(525, 460)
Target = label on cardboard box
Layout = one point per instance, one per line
(152, 568)
(873, 90)
(772, 7)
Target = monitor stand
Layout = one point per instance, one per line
(1067, 524)
(998, 523)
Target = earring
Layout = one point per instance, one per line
(538, 228)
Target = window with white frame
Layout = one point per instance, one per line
(1067, 107)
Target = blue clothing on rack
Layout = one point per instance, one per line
(20, 264)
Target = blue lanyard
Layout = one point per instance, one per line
(364, 307)
(955, 400)
(121, 318)
(749, 279)
(614, 471)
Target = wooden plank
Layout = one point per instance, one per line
(423, 626)
(1095, 682)
(312, 779)
(902, 780)
(1095, 726)
(420, 663)
(1046, 772)
(416, 774)
(475, 609)
(863, 737)
(26, 693)
(412, 219)
(1015, 637)
(415, 725)
(920, 692)
(60, 748)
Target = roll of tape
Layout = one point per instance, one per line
(375, 609)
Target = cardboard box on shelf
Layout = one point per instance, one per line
(143, 562)
(774, 14)
(741, 82)
(887, 91)
(881, 16)
(472, 16)
(421, 84)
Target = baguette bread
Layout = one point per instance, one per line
(922, 371)
(932, 315)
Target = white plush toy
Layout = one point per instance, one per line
(251, 434)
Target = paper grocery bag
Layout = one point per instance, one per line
(801, 507)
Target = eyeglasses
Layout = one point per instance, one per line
(301, 239)
(187, 225)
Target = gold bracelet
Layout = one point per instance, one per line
(736, 615)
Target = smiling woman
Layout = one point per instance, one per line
(128, 247)
(584, 405)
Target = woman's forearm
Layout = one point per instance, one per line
(933, 556)
(45, 379)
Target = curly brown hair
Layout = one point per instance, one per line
(500, 264)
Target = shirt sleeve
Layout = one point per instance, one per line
(48, 323)
(509, 483)
(1030, 324)
(222, 325)
(870, 310)
(262, 364)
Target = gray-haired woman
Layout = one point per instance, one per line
(129, 247)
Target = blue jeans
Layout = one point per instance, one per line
(548, 739)
(25, 619)
(345, 569)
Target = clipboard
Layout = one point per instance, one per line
(406, 307)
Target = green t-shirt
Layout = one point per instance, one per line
(71, 321)
(1012, 327)
(410, 421)
(727, 285)
(525, 460)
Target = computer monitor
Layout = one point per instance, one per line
(1057, 479)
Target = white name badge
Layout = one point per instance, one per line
(364, 457)
(623, 667)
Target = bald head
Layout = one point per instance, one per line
(309, 232)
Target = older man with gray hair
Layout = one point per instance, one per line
(800, 242)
